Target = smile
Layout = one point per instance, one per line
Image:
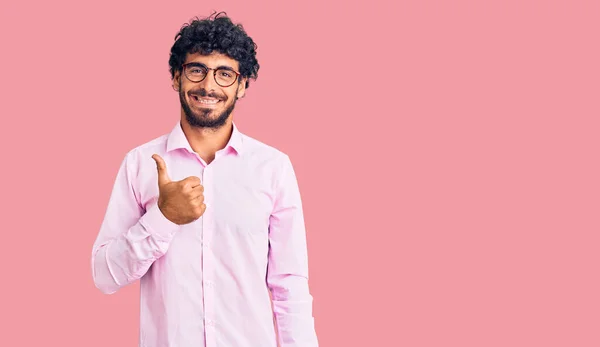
(205, 101)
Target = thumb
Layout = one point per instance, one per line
(161, 167)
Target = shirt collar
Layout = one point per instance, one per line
(177, 139)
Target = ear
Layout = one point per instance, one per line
(176, 80)
(241, 89)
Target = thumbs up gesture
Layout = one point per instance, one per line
(181, 202)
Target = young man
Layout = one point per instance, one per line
(210, 220)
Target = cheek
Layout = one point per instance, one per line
(230, 96)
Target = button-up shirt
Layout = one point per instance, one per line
(235, 277)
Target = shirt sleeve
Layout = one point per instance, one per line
(287, 272)
(130, 239)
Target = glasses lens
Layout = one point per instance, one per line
(225, 77)
(195, 73)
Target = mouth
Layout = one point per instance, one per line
(205, 101)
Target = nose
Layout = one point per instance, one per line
(209, 83)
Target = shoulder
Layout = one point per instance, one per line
(144, 152)
(262, 151)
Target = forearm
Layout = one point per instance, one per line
(119, 261)
(292, 307)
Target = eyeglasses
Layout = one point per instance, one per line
(196, 72)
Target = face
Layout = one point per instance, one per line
(206, 104)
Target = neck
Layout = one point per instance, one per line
(207, 141)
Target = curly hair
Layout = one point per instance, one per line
(215, 33)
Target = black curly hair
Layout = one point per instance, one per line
(215, 33)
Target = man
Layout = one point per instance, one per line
(210, 220)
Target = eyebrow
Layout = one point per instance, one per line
(218, 67)
(225, 67)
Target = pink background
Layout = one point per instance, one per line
(447, 154)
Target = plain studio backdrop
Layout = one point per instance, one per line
(446, 151)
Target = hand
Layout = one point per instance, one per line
(181, 202)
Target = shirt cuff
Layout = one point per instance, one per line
(155, 222)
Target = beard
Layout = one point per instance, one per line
(202, 117)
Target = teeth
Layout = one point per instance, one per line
(206, 101)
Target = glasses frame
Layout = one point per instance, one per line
(183, 68)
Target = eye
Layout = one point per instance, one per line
(195, 69)
(225, 73)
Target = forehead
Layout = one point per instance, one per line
(212, 60)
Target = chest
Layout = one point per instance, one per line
(239, 194)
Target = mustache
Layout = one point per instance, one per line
(203, 93)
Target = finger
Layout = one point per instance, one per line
(161, 167)
(198, 188)
(191, 182)
(200, 209)
(197, 197)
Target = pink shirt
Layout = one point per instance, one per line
(226, 278)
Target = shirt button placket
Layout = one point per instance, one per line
(207, 260)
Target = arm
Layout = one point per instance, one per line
(287, 272)
(130, 239)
